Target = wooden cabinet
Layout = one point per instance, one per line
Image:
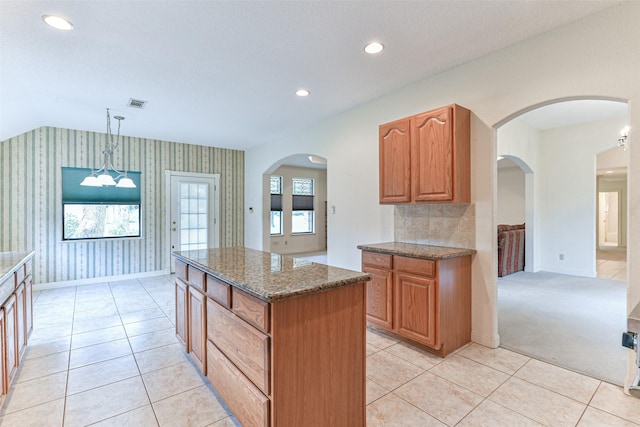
(197, 328)
(181, 312)
(21, 321)
(16, 314)
(426, 158)
(4, 386)
(380, 289)
(395, 161)
(427, 302)
(10, 338)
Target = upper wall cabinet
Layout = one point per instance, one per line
(426, 158)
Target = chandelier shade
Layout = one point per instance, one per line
(108, 175)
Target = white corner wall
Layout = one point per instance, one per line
(511, 196)
(596, 56)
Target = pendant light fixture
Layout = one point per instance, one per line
(103, 176)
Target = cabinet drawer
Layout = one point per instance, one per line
(6, 288)
(197, 278)
(247, 403)
(423, 267)
(219, 291)
(20, 275)
(374, 259)
(243, 344)
(251, 309)
(181, 271)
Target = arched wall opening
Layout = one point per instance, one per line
(300, 165)
(559, 161)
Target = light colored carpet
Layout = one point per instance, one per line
(569, 321)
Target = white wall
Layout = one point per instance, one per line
(521, 143)
(568, 194)
(289, 243)
(511, 196)
(596, 56)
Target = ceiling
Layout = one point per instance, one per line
(224, 73)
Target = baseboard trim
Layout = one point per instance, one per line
(94, 280)
(491, 341)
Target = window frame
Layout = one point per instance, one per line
(298, 198)
(278, 202)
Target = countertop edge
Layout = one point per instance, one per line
(24, 259)
(364, 277)
(456, 252)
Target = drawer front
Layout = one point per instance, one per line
(219, 291)
(197, 278)
(423, 267)
(28, 267)
(181, 271)
(20, 275)
(6, 288)
(251, 309)
(374, 259)
(243, 344)
(247, 403)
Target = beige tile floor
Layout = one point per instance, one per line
(106, 355)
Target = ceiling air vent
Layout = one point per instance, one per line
(136, 103)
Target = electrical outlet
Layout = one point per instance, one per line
(561, 257)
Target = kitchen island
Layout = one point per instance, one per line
(281, 339)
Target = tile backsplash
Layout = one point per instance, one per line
(441, 225)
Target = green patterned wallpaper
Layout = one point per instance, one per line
(30, 192)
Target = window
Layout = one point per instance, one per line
(194, 218)
(276, 205)
(98, 212)
(302, 215)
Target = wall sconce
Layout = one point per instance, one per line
(622, 141)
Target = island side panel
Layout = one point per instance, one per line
(318, 359)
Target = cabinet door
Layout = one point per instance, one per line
(197, 329)
(416, 309)
(181, 312)
(432, 151)
(28, 305)
(4, 387)
(380, 297)
(10, 344)
(21, 334)
(395, 161)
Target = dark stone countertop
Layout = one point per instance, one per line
(9, 262)
(269, 276)
(413, 250)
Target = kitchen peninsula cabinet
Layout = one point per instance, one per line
(284, 338)
(420, 293)
(16, 313)
(426, 158)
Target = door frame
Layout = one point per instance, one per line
(169, 174)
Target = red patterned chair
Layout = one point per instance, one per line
(510, 249)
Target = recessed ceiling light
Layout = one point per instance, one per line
(302, 92)
(374, 47)
(609, 172)
(57, 22)
(500, 158)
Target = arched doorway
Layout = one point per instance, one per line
(559, 140)
(294, 206)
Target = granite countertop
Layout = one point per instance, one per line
(269, 276)
(413, 250)
(9, 262)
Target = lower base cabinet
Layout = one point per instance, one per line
(16, 318)
(427, 302)
(197, 332)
